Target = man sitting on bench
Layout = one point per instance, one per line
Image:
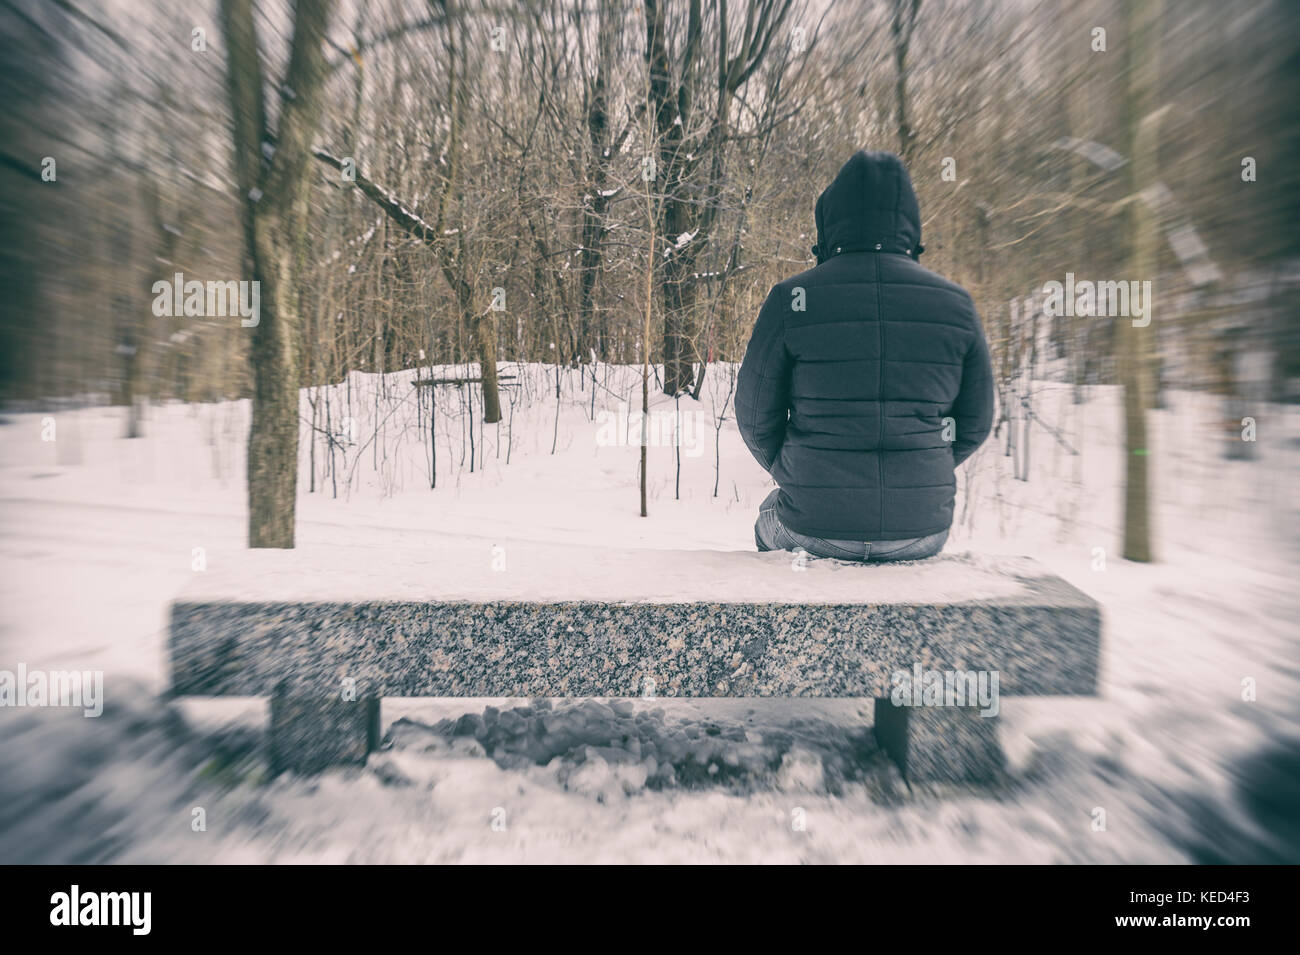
(865, 383)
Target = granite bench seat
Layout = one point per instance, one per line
(325, 635)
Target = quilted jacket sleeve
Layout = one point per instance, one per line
(973, 409)
(763, 385)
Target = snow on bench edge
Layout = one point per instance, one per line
(551, 573)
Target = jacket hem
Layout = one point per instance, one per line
(834, 534)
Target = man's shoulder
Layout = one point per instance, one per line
(894, 270)
(905, 271)
(808, 277)
(791, 295)
(782, 297)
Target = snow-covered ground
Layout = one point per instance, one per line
(99, 533)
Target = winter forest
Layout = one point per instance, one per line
(365, 277)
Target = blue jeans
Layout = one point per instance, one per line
(771, 534)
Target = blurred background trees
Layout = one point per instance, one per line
(475, 193)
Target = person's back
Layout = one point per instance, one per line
(853, 367)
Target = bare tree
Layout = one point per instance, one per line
(691, 150)
(1140, 118)
(271, 169)
(902, 26)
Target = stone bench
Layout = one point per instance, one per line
(325, 635)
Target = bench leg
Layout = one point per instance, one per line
(940, 743)
(310, 733)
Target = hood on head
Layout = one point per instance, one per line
(869, 207)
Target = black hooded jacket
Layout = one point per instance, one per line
(854, 365)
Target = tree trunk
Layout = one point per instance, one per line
(679, 319)
(591, 331)
(901, 27)
(273, 191)
(273, 437)
(485, 336)
(1135, 343)
(645, 349)
(690, 199)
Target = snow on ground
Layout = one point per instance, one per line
(98, 534)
